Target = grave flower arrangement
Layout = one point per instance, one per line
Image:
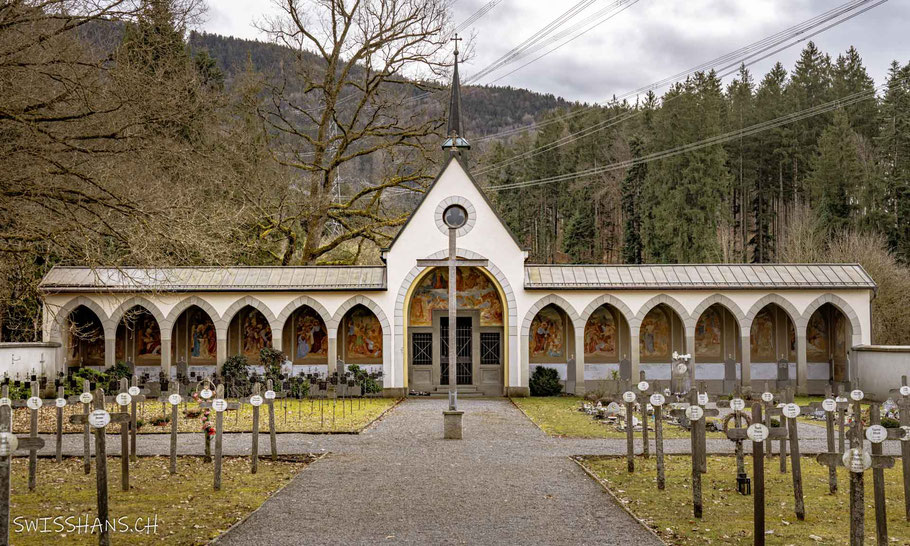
(204, 417)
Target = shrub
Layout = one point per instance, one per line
(545, 382)
(271, 359)
(367, 384)
(236, 376)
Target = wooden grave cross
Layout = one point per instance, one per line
(758, 433)
(842, 404)
(903, 405)
(85, 399)
(829, 406)
(124, 399)
(767, 398)
(645, 389)
(628, 398)
(59, 403)
(9, 443)
(98, 420)
(206, 393)
(791, 411)
(877, 434)
(173, 398)
(220, 405)
(255, 401)
(696, 413)
(657, 402)
(34, 404)
(270, 396)
(738, 415)
(857, 460)
(137, 395)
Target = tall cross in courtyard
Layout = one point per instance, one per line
(454, 217)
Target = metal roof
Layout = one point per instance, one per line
(219, 279)
(696, 276)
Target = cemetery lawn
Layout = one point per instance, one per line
(560, 416)
(301, 416)
(187, 510)
(728, 515)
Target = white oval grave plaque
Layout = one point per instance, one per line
(270, 395)
(757, 432)
(857, 394)
(906, 436)
(857, 460)
(60, 402)
(174, 399)
(124, 399)
(206, 393)
(829, 404)
(8, 443)
(694, 413)
(767, 397)
(702, 399)
(905, 391)
(657, 399)
(681, 368)
(643, 386)
(86, 398)
(791, 411)
(737, 404)
(99, 418)
(876, 434)
(134, 391)
(5, 401)
(220, 404)
(34, 403)
(841, 400)
(627, 397)
(256, 400)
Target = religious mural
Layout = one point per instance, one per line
(203, 340)
(817, 338)
(708, 334)
(148, 339)
(255, 334)
(655, 335)
(548, 334)
(762, 339)
(475, 291)
(600, 334)
(86, 338)
(311, 341)
(363, 335)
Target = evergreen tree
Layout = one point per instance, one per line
(894, 150)
(848, 77)
(836, 172)
(631, 202)
(742, 162)
(810, 85)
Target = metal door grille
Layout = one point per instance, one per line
(422, 348)
(490, 348)
(463, 355)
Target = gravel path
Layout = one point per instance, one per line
(399, 482)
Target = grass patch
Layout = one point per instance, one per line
(560, 416)
(188, 510)
(290, 416)
(728, 515)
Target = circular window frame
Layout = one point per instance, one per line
(466, 205)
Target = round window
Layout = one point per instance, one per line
(455, 216)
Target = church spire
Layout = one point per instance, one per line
(454, 138)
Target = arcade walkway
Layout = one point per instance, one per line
(399, 482)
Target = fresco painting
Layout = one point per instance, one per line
(548, 334)
(363, 336)
(817, 338)
(762, 338)
(311, 341)
(86, 338)
(475, 291)
(202, 337)
(655, 335)
(708, 334)
(600, 334)
(255, 334)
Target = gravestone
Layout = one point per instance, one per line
(783, 374)
(731, 382)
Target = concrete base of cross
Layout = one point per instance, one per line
(452, 424)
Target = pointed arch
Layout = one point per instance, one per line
(64, 311)
(551, 299)
(255, 303)
(289, 309)
(185, 304)
(670, 302)
(781, 302)
(842, 306)
(610, 300)
(342, 310)
(722, 300)
(146, 304)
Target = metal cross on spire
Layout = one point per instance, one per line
(454, 137)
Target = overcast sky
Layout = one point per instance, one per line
(650, 40)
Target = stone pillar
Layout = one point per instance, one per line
(221, 347)
(802, 368)
(580, 361)
(635, 351)
(746, 349)
(690, 349)
(333, 353)
(166, 356)
(110, 350)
